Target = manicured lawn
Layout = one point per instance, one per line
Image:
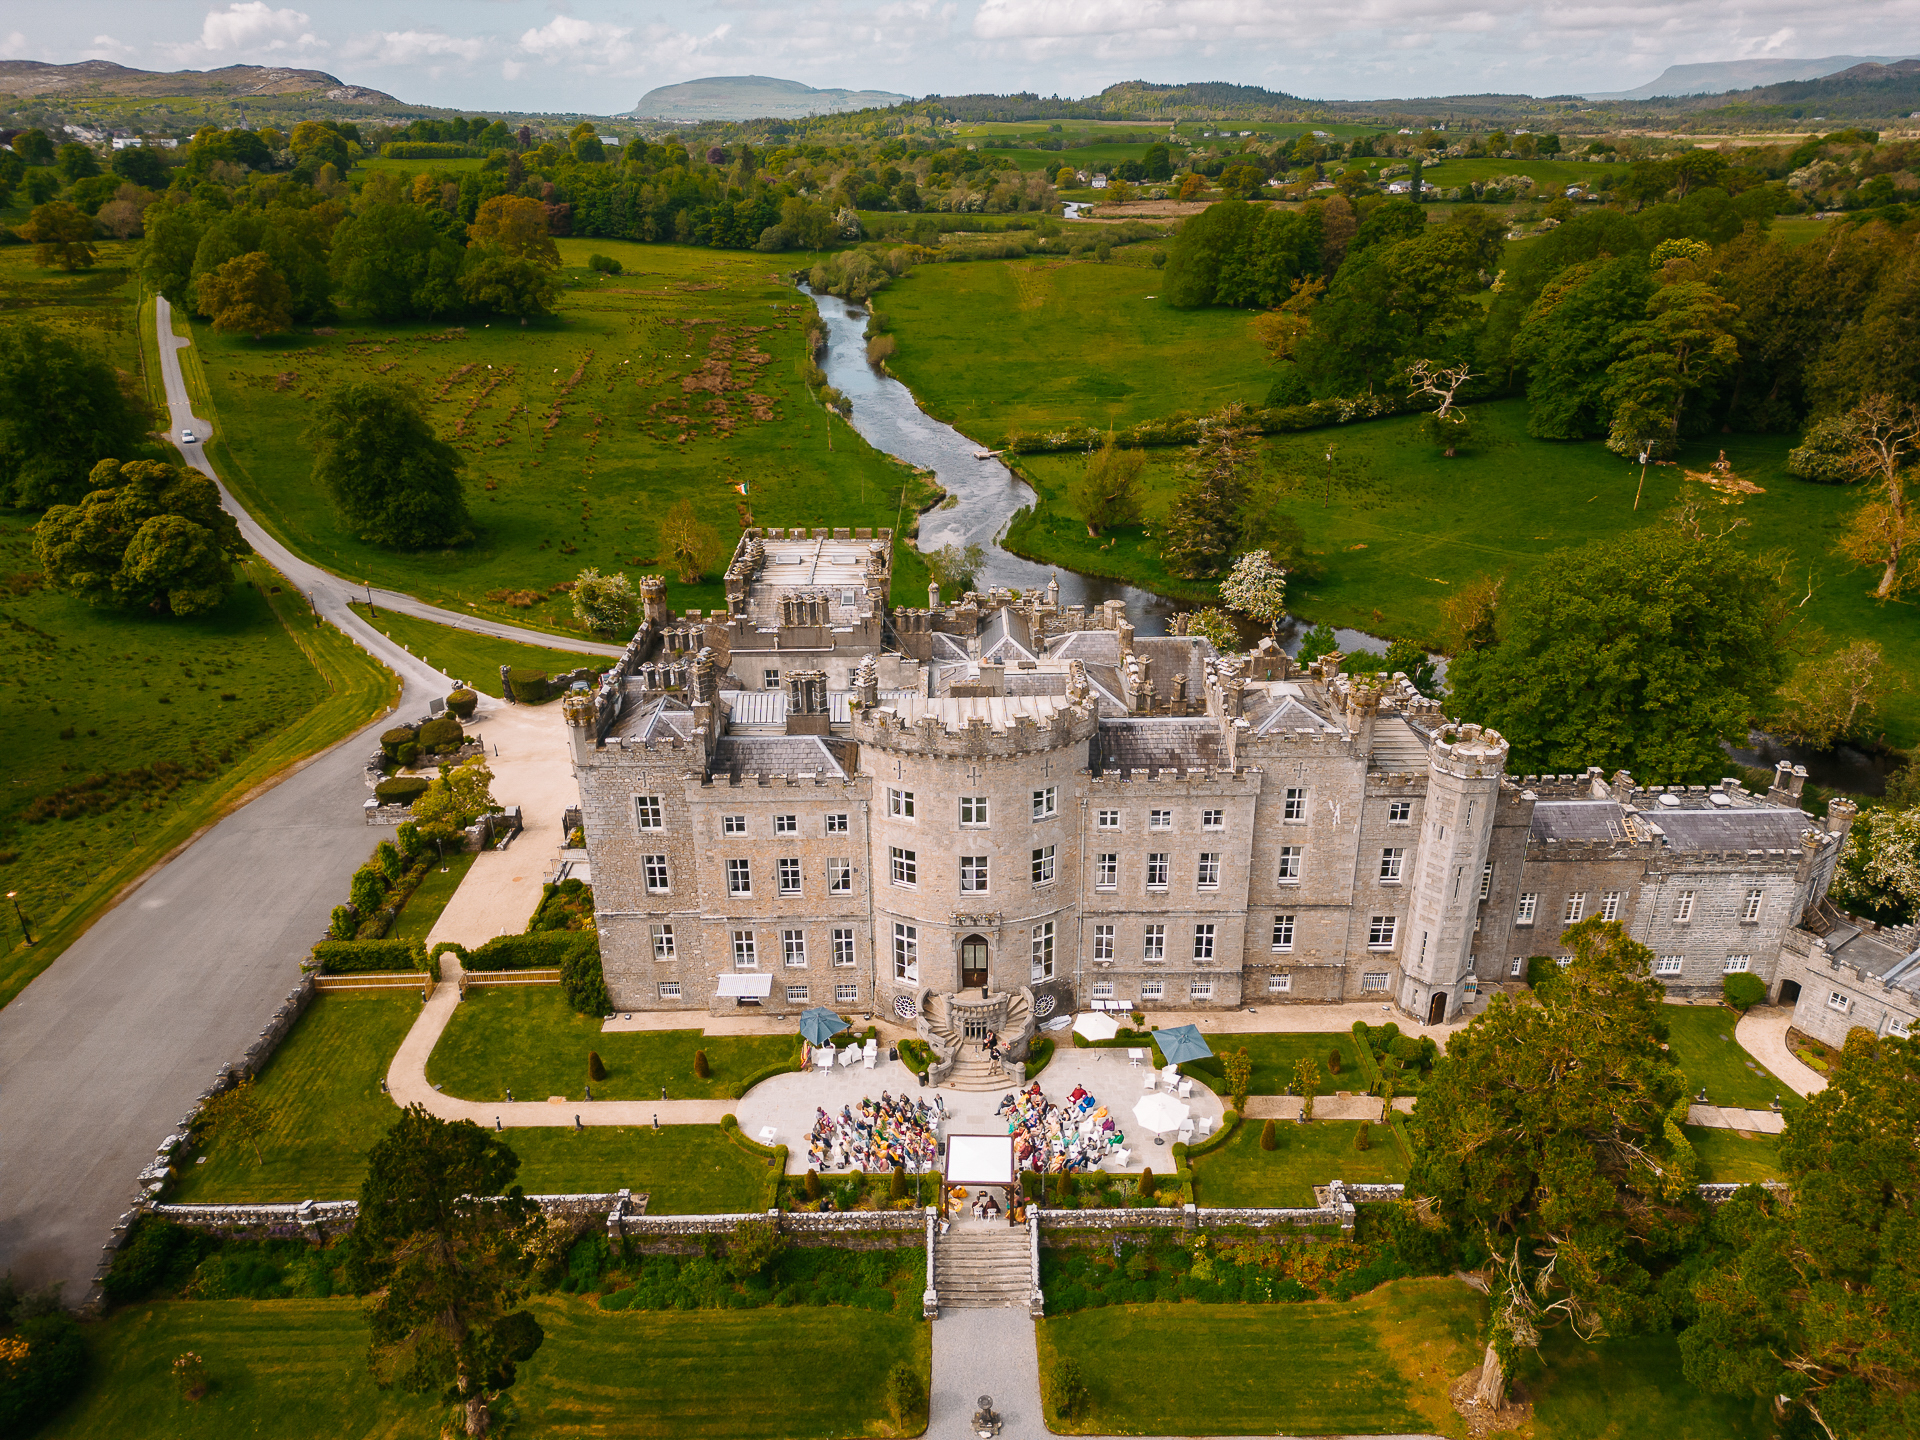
(1630, 1389)
(471, 657)
(194, 713)
(416, 919)
(298, 1368)
(1381, 1362)
(1404, 527)
(1241, 1173)
(524, 1038)
(682, 1169)
(998, 346)
(323, 1088)
(578, 433)
(1274, 1056)
(1726, 1158)
(1701, 1038)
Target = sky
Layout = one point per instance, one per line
(601, 56)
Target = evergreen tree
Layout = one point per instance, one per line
(1203, 527)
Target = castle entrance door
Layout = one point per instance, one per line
(1437, 1011)
(973, 963)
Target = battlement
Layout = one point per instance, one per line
(992, 730)
(1468, 751)
(1198, 779)
(764, 780)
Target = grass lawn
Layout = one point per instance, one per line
(416, 918)
(1274, 1056)
(1404, 527)
(997, 346)
(323, 1088)
(471, 657)
(1381, 1362)
(1726, 1158)
(197, 713)
(524, 1038)
(298, 1368)
(680, 377)
(1241, 1173)
(1630, 1389)
(1701, 1039)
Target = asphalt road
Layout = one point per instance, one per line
(106, 1050)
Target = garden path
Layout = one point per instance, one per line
(1721, 1117)
(1298, 1019)
(1762, 1033)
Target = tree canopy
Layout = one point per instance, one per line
(389, 475)
(246, 296)
(62, 408)
(1642, 652)
(146, 536)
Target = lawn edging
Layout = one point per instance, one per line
(775, 1155)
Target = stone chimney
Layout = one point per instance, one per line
(1841, 813)
(704, 691)
(1363, 703)
(653, 600)
(1788, 778)
(1622, 787)
(1125, 630)
(933, 595)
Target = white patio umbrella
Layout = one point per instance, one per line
(1160, 1112)
(1096, 1025)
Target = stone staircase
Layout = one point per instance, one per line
(942, 1025)
(973, 1071)
(983, 1268)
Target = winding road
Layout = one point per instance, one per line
(103, 1054)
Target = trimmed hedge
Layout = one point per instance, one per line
(392, 740)
(367, 957)
(441, 734)
(425, 150)
(529, 687)
(401, 789)
(916, 1055)
(462, 702)
(546, 951)
(1038, 1055)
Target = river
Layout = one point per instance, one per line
(989, 494)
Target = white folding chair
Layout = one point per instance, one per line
(1186, 1087)
(872, 1053)
(1185, 1133)
(1123, 1155)
(1151, 1080)
(1203, 1127)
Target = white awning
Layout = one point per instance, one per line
(759, 986)
(979, 1160)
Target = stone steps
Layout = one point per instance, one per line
(977, 1074)
(983, 1269)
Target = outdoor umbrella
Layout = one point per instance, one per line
(820, 1024)
(1160, 1112)
(1181, 1044)
(1096, 1026)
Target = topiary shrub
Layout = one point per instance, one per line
(368, 889)
(462, 702)
(811, 1184)
(408, 754)
(392, 740)
(1146, 1184)
(596, 1067)
(581, 977)
(897, 1184)
(529, 687)
(1743, 992)
(343, 923)
(401, 789)
(1268, 1139)
(440, 734)
(1363, 1136)
(700, 1066)
(387, 856)
(1333, 1061)
(407, 837)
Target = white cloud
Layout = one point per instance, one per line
(105, 47)
(415, 47)
(250, 28)
(585, 43)
(14, 46)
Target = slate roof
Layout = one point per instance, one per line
(1006, 638)
(1101, 647)
(1577, 820)
(656, 720)
(1761, 828)
(775, 755)
(1144, 744)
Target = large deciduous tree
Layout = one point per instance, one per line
(1204, 525)
(1107, 492)
(1682, 346)
(1643, 652)
(246, 296)
(146, 536)
(1571, 336)
(1257, 588)
(692, 545)
(454, 800)
(398, 261)
(502, 283)
(62, 234)
(394, 482)
(1820, 1300)
(436, 1254)
(515, 225)
(62, 407)
(1885, 439)
(605, 604)
(1549, 1131)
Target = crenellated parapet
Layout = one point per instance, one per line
(1470, 752)
(964, 729)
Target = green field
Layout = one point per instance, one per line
(1403, 526)
(999, 346)
(1728, 1158)
(472, 657)
(524, 1038)
(183, 718)
(323, 1088)
(681, 377)
(1381, 1362)
(1274, 1056)
(1701, 1039)
(298, 1368)
(1240, 1173)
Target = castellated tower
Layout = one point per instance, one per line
(1463, 785)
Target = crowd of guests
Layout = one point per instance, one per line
(876, 1135)
(1074, 1135)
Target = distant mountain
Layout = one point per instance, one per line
(101, 78)
(1723, 75)
(753, 97)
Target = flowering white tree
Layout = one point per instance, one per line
(1257, 587)
(605, 604)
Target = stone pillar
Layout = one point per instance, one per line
(506, 687)
(653, 600)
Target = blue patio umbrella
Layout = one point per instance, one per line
(820, 1024)
(1181, 1044)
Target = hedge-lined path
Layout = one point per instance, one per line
(1762, 1033)
(1276, 1018)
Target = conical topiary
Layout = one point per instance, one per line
(596, 1068)
(1268, 1140)
(700, 1066)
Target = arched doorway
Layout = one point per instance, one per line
(973, 963)
(1437, 1010)
(1789, 992)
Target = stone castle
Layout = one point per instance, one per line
(979, 814)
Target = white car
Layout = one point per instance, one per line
(187, 437)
